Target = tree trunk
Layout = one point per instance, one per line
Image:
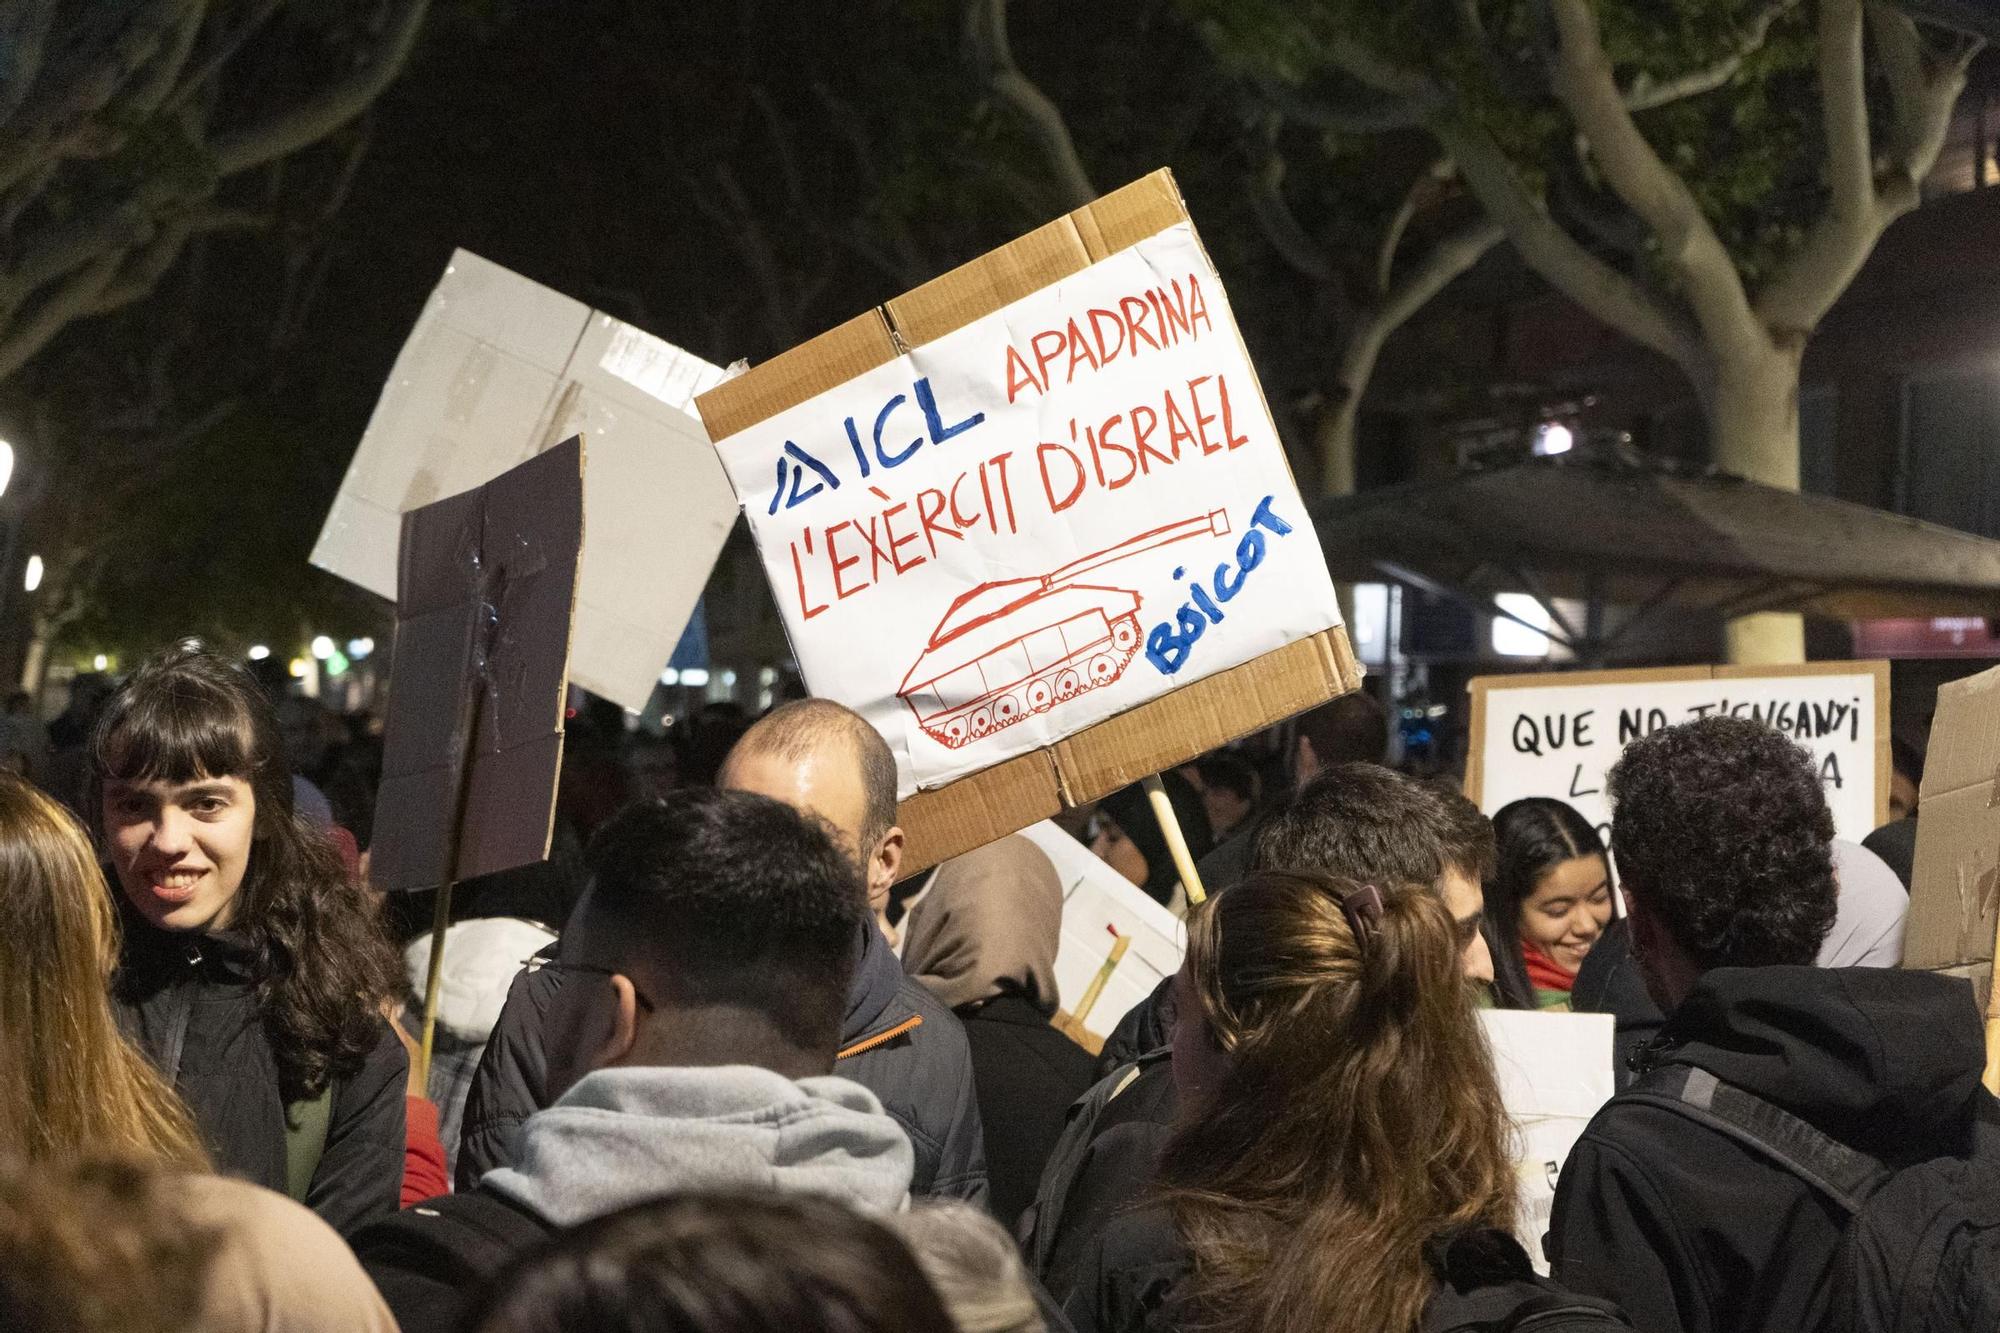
(1752, 404)
(1335, 435)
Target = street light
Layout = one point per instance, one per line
(33, 578)
(258, 652)
(322, 647)
(6, 465)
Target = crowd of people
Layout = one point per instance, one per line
(720, 1065)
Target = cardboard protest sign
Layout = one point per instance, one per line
(1101, 906)
(497, 369)
(1012, 511)
(1955, 890)
(1555, 1072)
(1557, 735)
(485, 589)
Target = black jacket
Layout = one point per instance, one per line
(1027, 1073)
(1148, 1026)
(898, 1041)
(1609, 983)
(431, 1262)
(1101, 1168)
(1688, 1229)
(1136, 1269)
(190, 1001)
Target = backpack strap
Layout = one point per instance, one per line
(307, 1124)
(1837, 1171)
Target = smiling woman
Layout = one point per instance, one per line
(1548, 901)
(253, 969)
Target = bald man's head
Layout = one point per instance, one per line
(822, 757)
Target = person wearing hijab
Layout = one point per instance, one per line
(983, 940)
(1128, 838)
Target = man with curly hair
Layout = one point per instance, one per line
(1722, 838)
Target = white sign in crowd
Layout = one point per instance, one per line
(1550, 738)
(1049, 516)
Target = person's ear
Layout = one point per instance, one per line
(885, 867)
(616, 1027)
(1305, 764)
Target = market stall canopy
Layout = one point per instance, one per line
(1609, 526)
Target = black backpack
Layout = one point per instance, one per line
(1486, 1285)
(1921, 1253)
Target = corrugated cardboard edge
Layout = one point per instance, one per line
(1480, 686)
(975, 810)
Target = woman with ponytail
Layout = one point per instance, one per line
(1341, 1162)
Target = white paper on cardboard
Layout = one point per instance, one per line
(1555, 1072)
(499, 368)
(1044, 518)
(1560, 740)
(1097, 900)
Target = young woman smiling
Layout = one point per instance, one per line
(253, 971)
(1548, 901)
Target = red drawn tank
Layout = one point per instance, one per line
(1018, 646)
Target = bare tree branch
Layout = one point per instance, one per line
(1392, 235)
(1922, 101)
(165, 72)
(1549, 250)
(986, 37)
(329, 109)
(1367, 113)
(218, 55)
(1645, 94)
(66, 303)
(24, 35)
(1866, 198)
(1280, 225)
(1584, 83)
(1445, 261)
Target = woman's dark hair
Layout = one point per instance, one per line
(323, 964)
(1358, 1122)
(1132, 810)
(1721, 832)
(719, 1263)
(1534, 835)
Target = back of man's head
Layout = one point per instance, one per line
(1353, 729)
(810, 731)
(1722, 836)
(724, 899)
(1372, 825)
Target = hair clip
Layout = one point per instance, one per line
(1363, 909)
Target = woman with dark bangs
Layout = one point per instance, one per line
(253, 971)
(1341, 1159)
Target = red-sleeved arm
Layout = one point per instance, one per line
(424, 1174)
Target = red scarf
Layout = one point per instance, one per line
(1544, 973)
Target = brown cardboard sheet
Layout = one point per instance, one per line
(1956, 885)
(486, 588)
(975, 810)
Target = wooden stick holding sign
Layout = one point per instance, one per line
(1119, 944)
(1992, 1079)
(486, 588)
(1170, 828)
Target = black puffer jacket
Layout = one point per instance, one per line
(898, 1041)
(1687, 1228)
(190, 1000)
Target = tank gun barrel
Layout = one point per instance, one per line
(1215, 523)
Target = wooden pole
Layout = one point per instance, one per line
(1119, 944)
(1170, 826)
(440, 919)
(1992, 1079)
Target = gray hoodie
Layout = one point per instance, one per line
(623, 1135)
